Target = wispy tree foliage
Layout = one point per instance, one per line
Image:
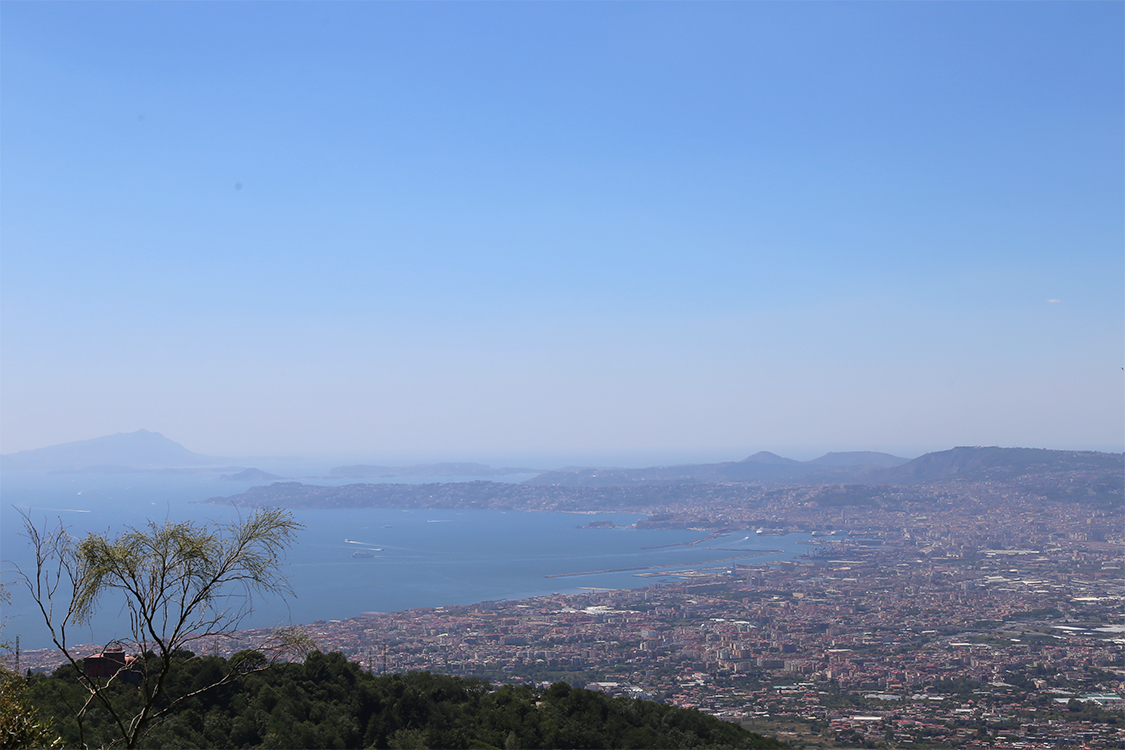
(181, 583)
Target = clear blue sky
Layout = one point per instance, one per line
(658, 230)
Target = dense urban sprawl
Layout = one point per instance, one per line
(967, 613)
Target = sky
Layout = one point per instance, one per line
(607, 231)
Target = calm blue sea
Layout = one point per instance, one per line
(421, 558)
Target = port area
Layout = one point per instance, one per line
(680, 566)
(709, 537)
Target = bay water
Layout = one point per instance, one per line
(418, 557)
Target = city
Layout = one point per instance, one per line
(960, 613)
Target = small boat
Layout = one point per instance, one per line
(361, 553)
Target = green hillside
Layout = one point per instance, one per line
(329, 702)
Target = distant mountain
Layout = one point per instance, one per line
(364, 471)
(121, 452)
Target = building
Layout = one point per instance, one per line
(111, 662)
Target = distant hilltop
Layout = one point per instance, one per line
(124, 451)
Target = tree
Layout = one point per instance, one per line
(181, 583)
(20, 723)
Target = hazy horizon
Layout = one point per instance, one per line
(619, 233)
(321, 461)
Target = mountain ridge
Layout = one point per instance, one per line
(1086, 477)
(858, 467)
(762, 466)
(974, 461)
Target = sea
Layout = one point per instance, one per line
(408, 557)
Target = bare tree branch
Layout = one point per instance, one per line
(181, 582)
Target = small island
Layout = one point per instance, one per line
(601, 525)
(250, 475)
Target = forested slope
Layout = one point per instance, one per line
(328, 702)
